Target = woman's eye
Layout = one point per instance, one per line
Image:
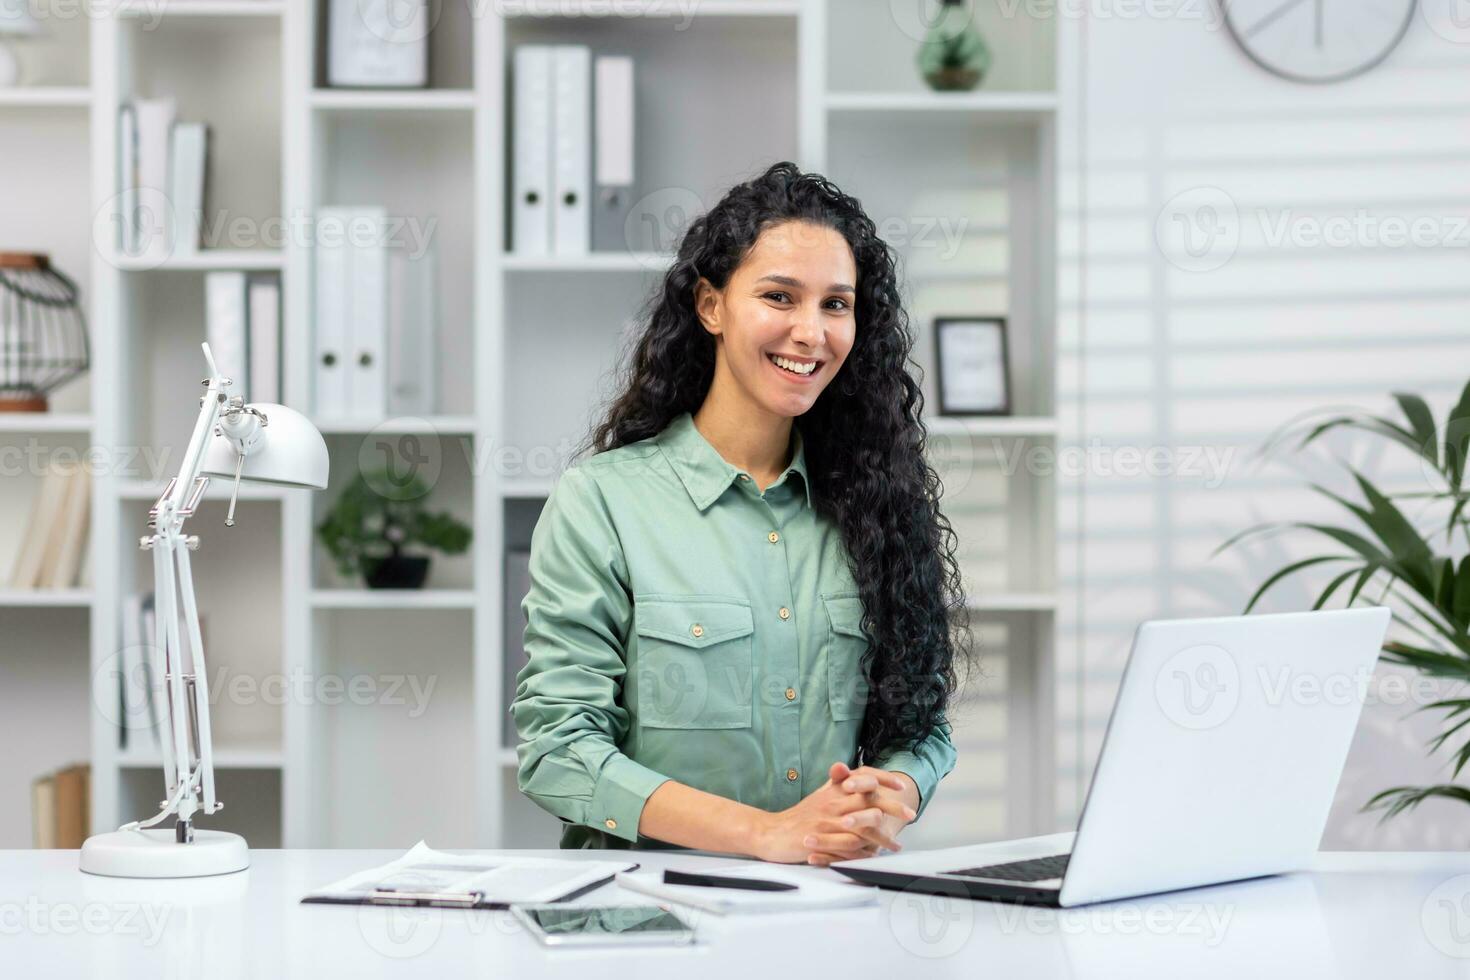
(780, 294)
(842, 303)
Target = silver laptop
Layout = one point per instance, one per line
(1219, 763)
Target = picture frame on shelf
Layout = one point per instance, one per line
(972, 365)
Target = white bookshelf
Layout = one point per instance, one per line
(752, 82)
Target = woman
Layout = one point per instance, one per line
(738, 627)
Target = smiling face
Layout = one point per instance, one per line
(784, 322)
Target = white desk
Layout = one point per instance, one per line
(1358, 915)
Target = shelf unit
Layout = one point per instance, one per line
(787, 79)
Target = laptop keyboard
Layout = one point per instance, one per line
(1032, 869)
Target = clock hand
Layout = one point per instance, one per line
(1271, 18)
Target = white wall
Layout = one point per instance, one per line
(1214, 352)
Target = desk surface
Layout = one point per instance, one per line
(1355, 915)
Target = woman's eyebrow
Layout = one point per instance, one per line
(836, 287)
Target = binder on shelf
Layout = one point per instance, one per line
(264, 338)
(127, 179)
(413, 328)
(368, 327)
(331, 338)
(225, 327)
(378, 43)
(613, 158)
(153, 225)
(571, 229)
(531, 149)
(187, 159)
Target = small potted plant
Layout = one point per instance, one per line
(367, 532)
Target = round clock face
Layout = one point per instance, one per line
(1317, 40)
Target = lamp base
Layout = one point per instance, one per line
(155, 854)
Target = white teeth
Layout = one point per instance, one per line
(793, 366)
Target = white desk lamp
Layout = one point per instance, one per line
(260, 443)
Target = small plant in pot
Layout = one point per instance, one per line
(367, 532)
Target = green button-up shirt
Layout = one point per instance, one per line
(682, 624)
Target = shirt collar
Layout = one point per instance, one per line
(705, 473)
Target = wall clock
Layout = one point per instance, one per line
(1317, 40)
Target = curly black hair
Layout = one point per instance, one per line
(864, 441)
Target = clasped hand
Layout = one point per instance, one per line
(856, 812)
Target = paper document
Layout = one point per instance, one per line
(425, 876)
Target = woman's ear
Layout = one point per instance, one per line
(707, 306)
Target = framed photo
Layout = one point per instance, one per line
(973, 365)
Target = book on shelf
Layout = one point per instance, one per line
(162, 178)
(61, 807)
(51, 549)
(612, 151)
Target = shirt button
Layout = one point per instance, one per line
(773, 537)
(785, 613)
(791, 775)
(697, 630)
(610, 823)
(744, 477)
(791, 694)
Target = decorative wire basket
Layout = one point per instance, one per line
(43, 335)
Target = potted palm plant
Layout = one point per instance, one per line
(368, 532)
(1407, 565)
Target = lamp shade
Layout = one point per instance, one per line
(289, 452)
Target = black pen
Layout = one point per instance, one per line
(672, 877)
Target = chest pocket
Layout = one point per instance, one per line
(847, 687)
(694, 661)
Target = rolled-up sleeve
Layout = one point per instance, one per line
(568, 707)
(926, 764)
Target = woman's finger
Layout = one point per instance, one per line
(842, 842)
(822, 859)
(871, 830)
(890, 779)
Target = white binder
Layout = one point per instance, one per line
(265, 339)
(368, 327)
(613, 159)
(571, 221)
(225, 325)
(329, 301)
(531, 134)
